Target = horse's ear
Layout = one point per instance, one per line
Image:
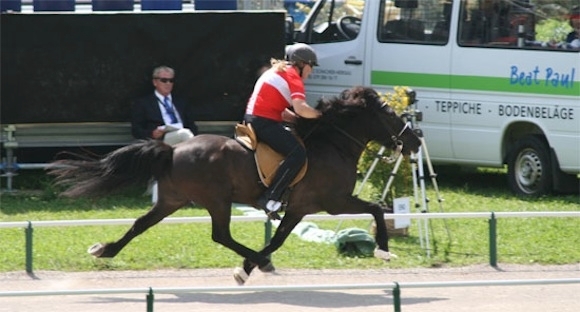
(323, 104)
(358, 96)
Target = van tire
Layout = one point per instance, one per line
(529, 167)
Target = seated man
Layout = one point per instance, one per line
(161, 116)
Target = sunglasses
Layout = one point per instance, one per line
(166, 80)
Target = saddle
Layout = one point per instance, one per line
(267, 159)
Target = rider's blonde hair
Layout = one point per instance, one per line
(280, 65)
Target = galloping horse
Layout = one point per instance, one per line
(215, 171)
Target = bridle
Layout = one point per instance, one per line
(398, 142)
(398, 146)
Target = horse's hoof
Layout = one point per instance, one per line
(268, 268)
(96, 250)
(240, 276)
(384, 255)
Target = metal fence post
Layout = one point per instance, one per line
(150, 299)
(397, 297)
(28, 234)
(493, 240)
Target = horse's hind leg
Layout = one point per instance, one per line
(156, 214)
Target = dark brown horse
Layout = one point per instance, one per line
(214, 171)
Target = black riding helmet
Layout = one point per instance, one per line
(301, 52)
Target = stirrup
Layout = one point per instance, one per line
(272, 208)
(273, 215)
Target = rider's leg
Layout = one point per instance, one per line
(284, 142)
(286, 173)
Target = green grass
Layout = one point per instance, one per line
(520, 240)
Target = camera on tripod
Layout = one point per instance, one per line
(412, 114)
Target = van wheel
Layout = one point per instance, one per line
(529, 167)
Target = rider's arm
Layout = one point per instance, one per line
(289, 116)
(302, 109)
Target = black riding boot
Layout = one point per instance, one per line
(284, 176)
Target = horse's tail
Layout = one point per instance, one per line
(131, 165)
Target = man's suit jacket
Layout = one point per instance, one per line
(146, 116)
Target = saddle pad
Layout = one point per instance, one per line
(267, 159)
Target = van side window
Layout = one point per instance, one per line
(413, 21)
(518, 24)
(337, 22)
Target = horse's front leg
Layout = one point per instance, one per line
(288, 223)
(354, 205)
(381, 235)
(221, 234)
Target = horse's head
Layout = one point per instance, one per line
(359, 115)
(380, 122)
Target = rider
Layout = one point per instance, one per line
(277, 90)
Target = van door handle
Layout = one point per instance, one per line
(353, 62)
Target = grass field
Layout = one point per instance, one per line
(520, 240)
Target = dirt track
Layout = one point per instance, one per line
(560, 298)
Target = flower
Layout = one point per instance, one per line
(399, 100)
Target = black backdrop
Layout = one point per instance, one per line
(89, 67)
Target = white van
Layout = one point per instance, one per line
(491, 92)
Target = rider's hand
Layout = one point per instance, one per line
(289, 116)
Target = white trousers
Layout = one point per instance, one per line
(177, 136)
(171, 138)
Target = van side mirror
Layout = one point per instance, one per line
(289, 30)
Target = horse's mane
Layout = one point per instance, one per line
(338, 111)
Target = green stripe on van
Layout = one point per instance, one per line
(472, 83)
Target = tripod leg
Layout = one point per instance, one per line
(370, 171)
(392, 177)
(432, 173)
(414, 171)
(364, 181)
(424, 200)
(433, 176)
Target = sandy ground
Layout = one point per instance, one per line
(560, 298)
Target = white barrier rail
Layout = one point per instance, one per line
(430, 215)
(394, 286)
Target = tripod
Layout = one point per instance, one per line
(413, 117)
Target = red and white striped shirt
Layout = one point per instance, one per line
(274, 92)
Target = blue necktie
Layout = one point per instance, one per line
(169, 110)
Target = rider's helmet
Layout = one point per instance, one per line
(301, 52)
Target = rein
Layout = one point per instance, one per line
(395, 138)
